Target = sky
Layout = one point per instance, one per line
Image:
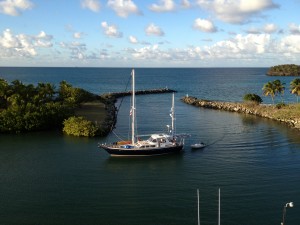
(149, 33)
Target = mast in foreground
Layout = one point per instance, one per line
(132, 110)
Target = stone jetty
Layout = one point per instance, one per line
(139, 92)
(288, 114)
(109, 99)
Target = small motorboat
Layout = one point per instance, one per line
(198, 145)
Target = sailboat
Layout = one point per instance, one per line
(156, 144)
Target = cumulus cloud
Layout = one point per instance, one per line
(240, 47)
(152, 29)
(270, 28)
(290, 45)
(43, 40)
(150, 53)
(185, 4)
(237, 11)
(294, 28)
(111, 30)
(163, 6)
(204, 25)
(22, 45)
(78, 35)
(14, 7)
(133, 39)
(123, 7)
(93, 5)
(77, 49)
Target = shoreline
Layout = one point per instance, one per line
(288, 114)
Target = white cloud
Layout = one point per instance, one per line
(290, 44)
(43, 40)
(78, 35)
(133, 39)
(111, 30)
(163, 6)
(236, 11)
(14, 7)
(123, 7)
(204, 25)
(77, 49)
(93, 5)
(150, 53)
(22, 45)
(240, 47)
(185, 4)
(253, 30)
(152, 29)
(294, 28)
(270, 28)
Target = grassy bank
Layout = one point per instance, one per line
(289, 114)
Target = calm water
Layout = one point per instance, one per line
(49, 178)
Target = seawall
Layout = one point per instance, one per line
(109, 99)
(288, 116)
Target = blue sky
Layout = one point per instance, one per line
(152, 33)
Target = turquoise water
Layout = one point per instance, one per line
(50, 178)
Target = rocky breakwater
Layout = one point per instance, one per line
(289, 114)
(109, 99)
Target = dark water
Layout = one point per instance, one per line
(50, 178)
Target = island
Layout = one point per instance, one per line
(284, 70)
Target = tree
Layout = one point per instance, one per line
(269, 90)
(253, 98)
(279, 88)
(78, 126)
(45, 91)
(4, 87)
(295, 87)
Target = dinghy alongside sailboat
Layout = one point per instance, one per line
(156, 144)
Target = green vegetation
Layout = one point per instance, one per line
(274, 88)
(277, 88)
(78, 126)
(252, 98)
(269, 90)
(295, 87)
(284, 70)
(26, 108)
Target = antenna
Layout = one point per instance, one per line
(219, 211)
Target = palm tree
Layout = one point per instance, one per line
(269, 89)
(279, 88)
(46, 91)
(295, 87)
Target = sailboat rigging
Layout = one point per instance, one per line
(156, 144)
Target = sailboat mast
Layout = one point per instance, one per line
(173, 114)
(133, 108)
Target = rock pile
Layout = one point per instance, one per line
(266, 111)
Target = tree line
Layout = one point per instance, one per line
(41, 107)
(277, 87)
(284, 70)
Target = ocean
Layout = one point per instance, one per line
(48, 178)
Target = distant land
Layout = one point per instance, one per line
(284, 70)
